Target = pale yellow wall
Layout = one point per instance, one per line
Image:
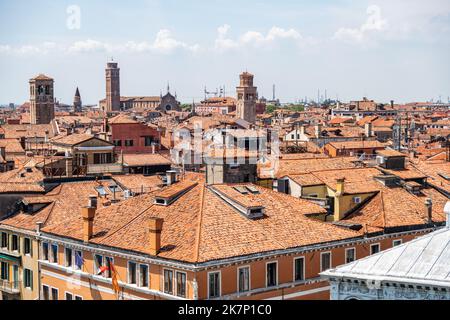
(321, 191)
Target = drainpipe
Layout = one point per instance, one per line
(38, 233)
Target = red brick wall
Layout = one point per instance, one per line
(136, 132)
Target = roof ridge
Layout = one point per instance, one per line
(128, 223)
(442, 252)
(382, 208)
(200, 218)
(48, 215)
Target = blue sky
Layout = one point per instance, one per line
(385, 49)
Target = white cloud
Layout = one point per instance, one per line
(374, 23)
(222, 42)
(253, 38)
(88, 45)
(5, 49)
(164, 43)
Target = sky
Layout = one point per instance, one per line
(380, 49)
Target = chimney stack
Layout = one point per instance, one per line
(88, 214)
(340, 186)
(318, 130)
(155, 227)
(447, 214)
(368, 130)
(171, 177)
(338, 200)
(429, 210)
(39, 227)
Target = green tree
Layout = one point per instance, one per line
(270, 108)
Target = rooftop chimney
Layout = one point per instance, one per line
(39, 227)
(155, 227)
(318, 131)
(447, 213)
(429, 209)
(368, 130)
(88, 214)
(338, 200)
(340, 186)
(171, 177)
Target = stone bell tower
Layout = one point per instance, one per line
(42, 101)
(112, 87)
(247, 95)
(77, 104)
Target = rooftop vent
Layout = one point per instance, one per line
(413, 187)
(170, 194)
(443, 175)
(252, 189)
(101, 191)
(247, 208)
(241, 189)
(348, 225)
(388, 180)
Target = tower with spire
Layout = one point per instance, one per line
(77, 104)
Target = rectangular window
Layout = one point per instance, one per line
(27, 246)
(101, 158)
(181, 284)
(271, 274)
(54, 253)
(4, 240)
(117, 143)
(108, 272)
(28, 278)
(4, 271)
(396, 243)
(79, 298)
(129, 143)
(15, 243)
(54, 294)
(168, 281)
(69, 257)
(299, 265)
(143, 275)
(244, 279)
(374, 248)
(214, 284)
(78, 260)
(45, 292)
(132, 272)
(350, 255)
(98, 263)
(148, 141)
(45, 251)
(69, 296)
(325, 261)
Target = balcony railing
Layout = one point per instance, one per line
(11, 287)
(104, 168)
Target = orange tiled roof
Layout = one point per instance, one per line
(200, 226)
(145, 159)
(394, 207)
(357, 144)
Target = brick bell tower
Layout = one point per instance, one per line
(42, 101)
(247, 95)
(112, 87)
